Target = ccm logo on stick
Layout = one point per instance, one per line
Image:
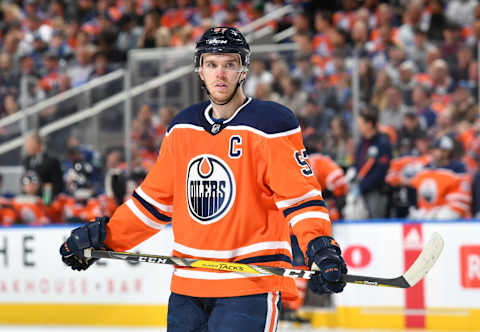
(152, 260)
(357, 256)
(470, 266)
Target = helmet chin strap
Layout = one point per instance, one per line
(239, 82)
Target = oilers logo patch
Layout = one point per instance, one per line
(428, 190)
(210, 188)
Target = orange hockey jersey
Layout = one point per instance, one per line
(65, 207)
(403, 169)
(329, 174)
(437, 188)
(231, 190)
(8, 215)
(30, 210)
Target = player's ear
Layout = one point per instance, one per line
(200, 73)
(243, 75)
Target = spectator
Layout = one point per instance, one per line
(264, 92)
(316, 117)
(46, 166)
(408, 134)
(321, 42)
(9, 79)
(115, 178)
(411, 18)
(279, 69)
(165, 116)
(461, 64)
(372, 159)
(421, 105)
(393, 115)
(29, 78)
(463, 107)
(437, 21)
(442, 83)
(79, 72)
(473, 79)
(301, 23)
(50, 80)
(406, 80)
(360, 38)
(8, 107)
(324, 94)
(460, 11)
(257, 73)
(101, 66)
(451, 42)
(148, 37)
(340, 145)
(418, 51)
(293, 97)
(59, 46)
(380, 89)
(444, 125)
(129, 33)
(473, 39)
(367, 79)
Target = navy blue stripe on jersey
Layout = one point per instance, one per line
(265, 259)
(150, 208)
(266, 116)
(316, 202)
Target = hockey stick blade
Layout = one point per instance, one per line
(424, 262)
(417, 271)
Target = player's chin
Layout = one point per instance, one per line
(221, 97)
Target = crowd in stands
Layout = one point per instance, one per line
(417, 146)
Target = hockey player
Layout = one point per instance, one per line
(443, 188)
(331, 178)
(231, 176)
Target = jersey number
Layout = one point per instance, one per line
(301, 158)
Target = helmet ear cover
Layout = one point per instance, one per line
(221, 40)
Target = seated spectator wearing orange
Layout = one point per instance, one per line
(28, 206)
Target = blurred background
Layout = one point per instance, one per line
(387, 95)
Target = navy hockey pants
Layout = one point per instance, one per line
(253, 313)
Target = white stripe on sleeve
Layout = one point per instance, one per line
(139, 214)
(307, 215)
(292, 201)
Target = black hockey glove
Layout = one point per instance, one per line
(324, 255)
(90, 235)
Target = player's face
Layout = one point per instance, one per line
(220, 73)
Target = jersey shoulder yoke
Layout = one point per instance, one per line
(267, 116)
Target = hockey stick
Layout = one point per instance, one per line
(415, 273)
